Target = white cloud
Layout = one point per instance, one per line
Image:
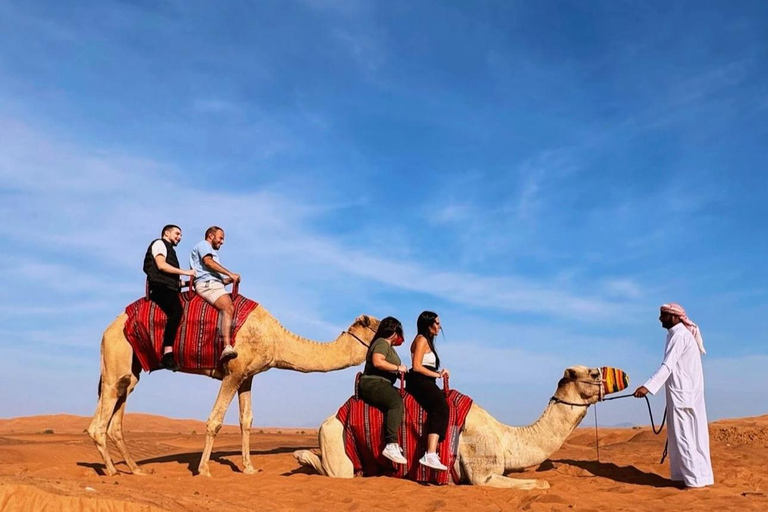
(623, 288)
(97, 231)
(112, 206)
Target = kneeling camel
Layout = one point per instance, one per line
(488, 449)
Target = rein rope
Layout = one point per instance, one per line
(358, 338)
(604, 399)
(653, 424)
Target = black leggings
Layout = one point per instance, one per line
(424, 389)
(168, 301)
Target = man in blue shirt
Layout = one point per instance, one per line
(210, 279)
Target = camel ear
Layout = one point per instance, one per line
(570, 374)
(363, 320)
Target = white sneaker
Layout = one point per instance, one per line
(432, 460)
(228, 353)
(393, 452)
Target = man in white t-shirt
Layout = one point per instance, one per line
(162, 268)
(210, 279)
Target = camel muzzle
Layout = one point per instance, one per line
(614, 380)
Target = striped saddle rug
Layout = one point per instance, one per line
(364, 439)
(198, 342)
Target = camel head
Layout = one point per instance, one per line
(364, 328)
(580, 385)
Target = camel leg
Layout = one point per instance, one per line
(115, 429)
(505, 482)
(229, 387)
(334, 462)
(105, 408)
(116, 359)
(307, 458)
(246, 420)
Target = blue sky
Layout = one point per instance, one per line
(543, 175)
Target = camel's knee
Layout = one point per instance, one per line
(115, 390)
(212, 427)
(97, 435)
(97, 432)
(246, 421)
(122, 385)
(309, 459)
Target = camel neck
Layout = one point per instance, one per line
(292, 352)
(543, 437)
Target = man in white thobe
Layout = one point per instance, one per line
(681, 371)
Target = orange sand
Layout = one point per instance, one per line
(61, 472)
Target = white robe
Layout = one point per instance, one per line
(687, 427)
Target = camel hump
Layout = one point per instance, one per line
(198, 342)
(363, 427)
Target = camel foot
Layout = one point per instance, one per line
(307, 458)
(250, 470)
(303, 457)
(521, 484)
(204, 471)
(140, 472)
(111, 471)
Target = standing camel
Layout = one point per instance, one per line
(487, 448)
(262, 343)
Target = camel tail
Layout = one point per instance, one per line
(307, 458)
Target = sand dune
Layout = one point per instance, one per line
(61, 471)
(136, 422)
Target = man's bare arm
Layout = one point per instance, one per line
(213, 265)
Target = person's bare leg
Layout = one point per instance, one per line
(432, 440)
(227, 309)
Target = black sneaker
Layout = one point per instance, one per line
(169, 363)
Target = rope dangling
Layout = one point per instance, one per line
(653, 424)
(597, 436)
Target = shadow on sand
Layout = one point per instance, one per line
(623, 474)
(192, 459)
(96, 466)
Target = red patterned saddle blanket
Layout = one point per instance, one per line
(198, 342)
(364, 439)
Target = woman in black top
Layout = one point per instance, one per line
(420, 383)
(382, 367)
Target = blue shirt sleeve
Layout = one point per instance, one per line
(203, 249)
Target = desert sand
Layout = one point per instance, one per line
(62, 471)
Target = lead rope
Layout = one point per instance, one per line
(653, 425)
(597, 436)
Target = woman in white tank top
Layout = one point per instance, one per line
(420, 383)
(429, 359)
